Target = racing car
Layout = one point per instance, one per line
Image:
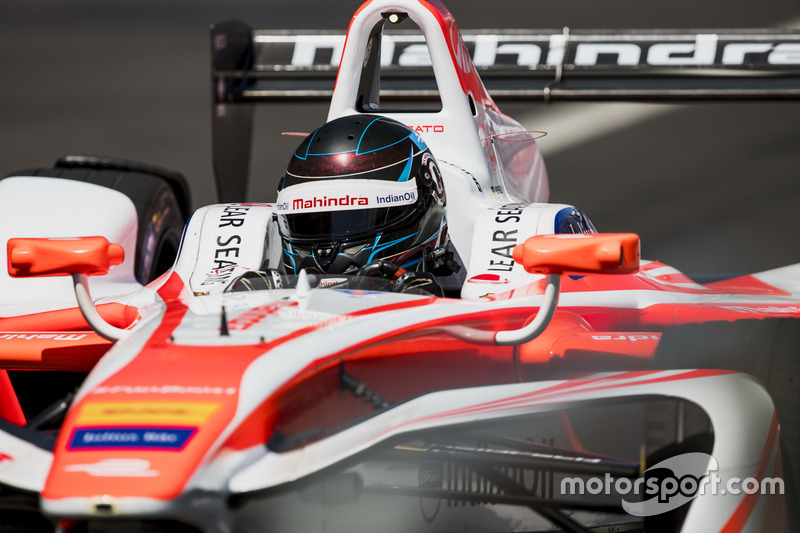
(168, 371)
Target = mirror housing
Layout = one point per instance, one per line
(91, 256)
(79, 258)
(598, 253)
(553, 255)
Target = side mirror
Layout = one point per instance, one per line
(77, 257)
(553, 255)
(599, 253)
(92, 256)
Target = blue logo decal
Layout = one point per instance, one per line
(357, 292)
(130, 438)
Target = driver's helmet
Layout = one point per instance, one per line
(359, 189)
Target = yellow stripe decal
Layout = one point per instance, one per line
(147, 412)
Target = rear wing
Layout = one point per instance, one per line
(256, 66)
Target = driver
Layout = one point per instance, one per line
(363, 195)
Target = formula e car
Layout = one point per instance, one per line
(562, 384)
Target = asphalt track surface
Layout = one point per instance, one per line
(711, 188)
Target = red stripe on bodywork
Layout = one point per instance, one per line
(170, 286)
(58, 340)
(347, 38)
(663, 316)
(71, 351)
(743, 512)
(462, 62)
(747, 285)
(777, 518)
(116, 314)
(427, 333)
(10, 408)
(589, 283)
(161, 364)
(565, 388)
(422, 334)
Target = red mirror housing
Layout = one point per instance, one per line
(599, 253)
(92, 256)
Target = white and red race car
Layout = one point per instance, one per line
(567, 385)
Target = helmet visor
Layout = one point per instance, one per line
(325, 226)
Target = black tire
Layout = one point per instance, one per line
(160, 196)
(19, 512)
(767, 349)
(13, 521)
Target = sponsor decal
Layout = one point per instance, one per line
(488, 145)
(36, 336)
(115, 468)
(253, 316)
(334, 196)
(233, 215)
(543, 51)
(288, 311)
(223, 263)
(329, 282)
(492, 279)
(228, 247)
(427, 128)
(164, 389)
(131, 438)
(169, 413)
(504, 240)
(314, 202)
(771, 309)
(408, 197)
(5, 457)
(358, 292)
(226, 254)
(222, 275)
(459, 49)
(631, 338)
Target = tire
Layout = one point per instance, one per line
(767, 349)
(160, 196)
(13, 521)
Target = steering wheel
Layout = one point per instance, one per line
(257, 280)
(380, 269)
(402, 280)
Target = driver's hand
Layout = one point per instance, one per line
(417, 283)
(257, 280)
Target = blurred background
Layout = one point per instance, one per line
(711, 188)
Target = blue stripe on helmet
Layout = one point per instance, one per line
(407, 170)
(291, 253)
(308, 147)
(386, 245)
(417, 140)
(410, 264)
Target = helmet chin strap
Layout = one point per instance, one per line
(324, 255)
(327, 259)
